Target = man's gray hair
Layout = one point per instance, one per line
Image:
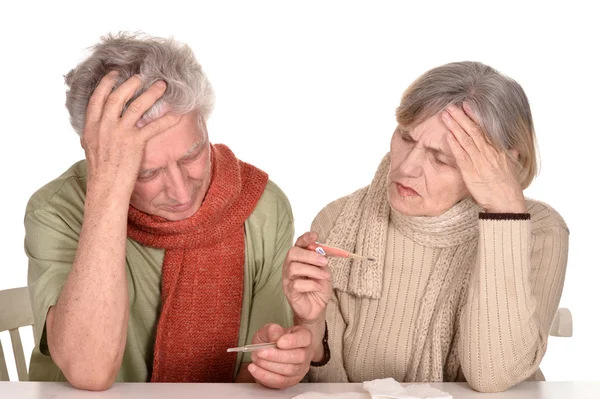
(153, 59)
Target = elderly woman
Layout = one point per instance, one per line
(468, 273)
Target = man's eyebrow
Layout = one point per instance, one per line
(192, 148)
(187, 154)
(147, 171)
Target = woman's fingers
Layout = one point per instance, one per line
(305, 286)
(468, 128)
(297, 254)
(303, 270)
(306, 239)
(466, 132)
(463, 159)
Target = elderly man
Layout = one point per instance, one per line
(159, 251)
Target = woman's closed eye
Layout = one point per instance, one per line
(407, 139)
(440, 160)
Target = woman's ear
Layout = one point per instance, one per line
(516, 164)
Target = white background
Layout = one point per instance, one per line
(307, 91)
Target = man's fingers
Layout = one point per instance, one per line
(285, 365)
(269, 333)
(143, 103)
(96, 103)
(113, 106)
(159, 125)
(287, 356)
(297, 337)
(270, 379)
(285, 369)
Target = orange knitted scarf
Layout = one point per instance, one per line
(202, 274)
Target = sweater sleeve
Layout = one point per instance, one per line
(512, 299)
(334, 370)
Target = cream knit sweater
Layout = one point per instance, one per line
(501, 330)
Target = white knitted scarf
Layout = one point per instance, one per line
(362, 228)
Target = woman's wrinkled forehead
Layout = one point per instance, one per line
(409, 118)
(431, 133)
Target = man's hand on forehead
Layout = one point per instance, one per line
(114, 139)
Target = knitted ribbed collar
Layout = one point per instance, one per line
(453, 227)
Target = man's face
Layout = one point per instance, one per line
(175, 172)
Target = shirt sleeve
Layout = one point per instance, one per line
(50, 245)
(512, 299)
(269, 304)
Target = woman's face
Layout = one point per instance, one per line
(423, 179)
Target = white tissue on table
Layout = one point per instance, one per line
(386, 388)
(390, 388)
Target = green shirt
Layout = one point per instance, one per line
(53, 222)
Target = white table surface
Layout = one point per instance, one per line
(55, 390)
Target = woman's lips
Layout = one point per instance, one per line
(405, 191)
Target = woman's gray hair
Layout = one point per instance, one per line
(498, 102)
(153, 59)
